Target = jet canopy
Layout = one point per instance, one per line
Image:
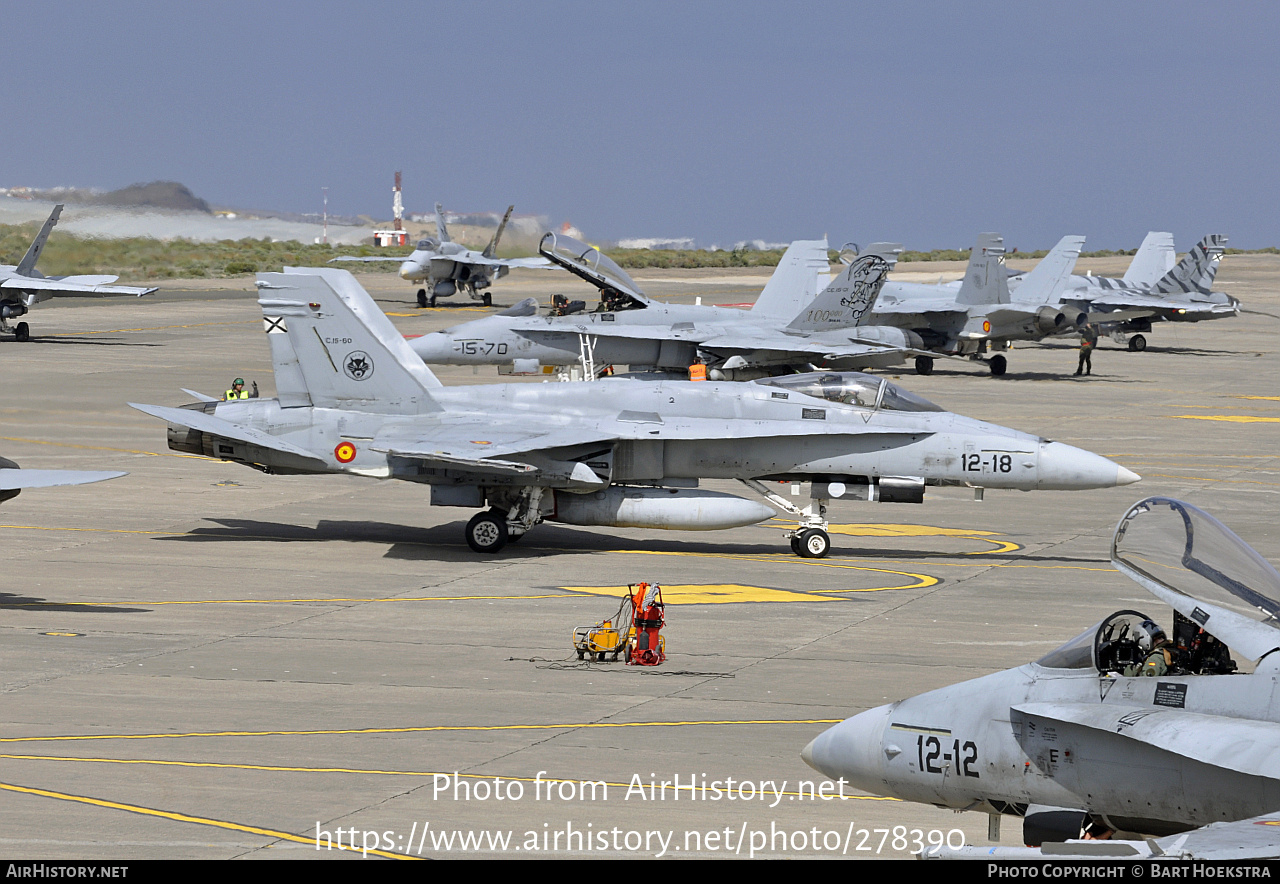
(587, 262)
(427, 245)
(1185, 550)
(852, 388)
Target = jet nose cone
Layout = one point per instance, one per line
(1066, 468)
(853, 749)
(410, 270)
(1127, 477)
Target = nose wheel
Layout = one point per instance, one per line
(22, 332)
(811, 543)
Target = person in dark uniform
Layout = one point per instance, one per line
(1088, 341)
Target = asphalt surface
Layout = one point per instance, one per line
(198, 660)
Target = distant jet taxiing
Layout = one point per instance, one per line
(445, 267)
(22, 286)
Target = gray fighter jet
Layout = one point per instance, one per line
(979, 314)
(790, 327)
(13, 479)
(353, 398)
(445, 267)
(1135, 727)
(1153, 289)
(22, 286)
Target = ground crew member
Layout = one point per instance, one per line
(238, 391)
(1088, 341)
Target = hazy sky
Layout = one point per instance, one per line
(919, 122)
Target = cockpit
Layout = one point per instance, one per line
(1129, 643)
(852, 388)
(427, 245)
(1220, 589)
(618, 291)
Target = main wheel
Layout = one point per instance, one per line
(22, 331)
(1137, 343)
(814, 544)
(998, 365)
(486, 299)
(422, 297)
(487, 532)
(924, 365)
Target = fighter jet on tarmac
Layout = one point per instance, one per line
(22, 286)
(1082, 738)
(445, 267)
(13, 480)
(790, 327)
(1153, 289)
(353, 398)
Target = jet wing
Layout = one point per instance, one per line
(539, 263)
(216, 426)
(1249, 747)
(1155, 305)
(480, 440)
(14, 479)
(829, 346)
(62, 288)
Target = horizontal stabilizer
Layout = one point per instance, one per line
(216, 426)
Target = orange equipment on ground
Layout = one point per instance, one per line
(646, 647)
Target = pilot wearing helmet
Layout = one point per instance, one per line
(1155, 647)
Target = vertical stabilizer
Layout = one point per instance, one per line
(1048, 279)
(1196, 271)
(1154, 258)
(849, 297)
(27, 266)
(985, 280)
(442, 232)
(794, 282)
(492, 248)
(341, 351)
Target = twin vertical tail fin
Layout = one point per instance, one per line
(1048, 279)
(849, 298)
(331, 347)
(986, 281)
(1196, 271)
(794, 282)
(492, 248)
(1154, 258)
(27, 266)
(442, 232)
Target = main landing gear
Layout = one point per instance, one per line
(810, 539)
(1137, 343)
(493, 529)
(21, 331)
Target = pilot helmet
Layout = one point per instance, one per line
(1149, 634)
